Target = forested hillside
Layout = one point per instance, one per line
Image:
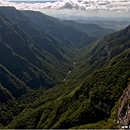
(71, 36)
(89, 28)
(63, 78)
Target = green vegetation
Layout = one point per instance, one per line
(33, 65)
(88, 28)
(92, 101)
(72, 37)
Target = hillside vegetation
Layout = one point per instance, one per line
(34, 64)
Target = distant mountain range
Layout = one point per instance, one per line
(115, 23)
(90, 29)
(54, 27)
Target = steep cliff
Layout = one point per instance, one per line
(124, 110)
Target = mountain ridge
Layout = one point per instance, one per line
(59, 30)
(89, 28)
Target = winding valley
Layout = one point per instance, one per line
(62, 78)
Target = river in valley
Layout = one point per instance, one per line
(69, 71)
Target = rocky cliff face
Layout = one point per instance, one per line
(124, 109)
(104, 53)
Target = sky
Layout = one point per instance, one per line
(86, 8)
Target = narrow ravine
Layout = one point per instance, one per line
(69, 71)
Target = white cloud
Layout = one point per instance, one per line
(73, 6)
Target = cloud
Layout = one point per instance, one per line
(70, 6)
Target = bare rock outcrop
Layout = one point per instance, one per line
(104, 53)
(124, 110)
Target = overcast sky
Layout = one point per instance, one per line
(105, 8)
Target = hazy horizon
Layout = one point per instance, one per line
(85, 8)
